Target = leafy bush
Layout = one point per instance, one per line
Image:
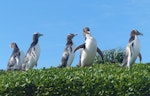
(115, 55)
(98, 80)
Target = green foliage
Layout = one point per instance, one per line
(111, 56)
(98, 80)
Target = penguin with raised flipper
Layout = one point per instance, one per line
(89, 49)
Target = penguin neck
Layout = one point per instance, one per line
(132, 38)
(35, 41)
(69, 41)
(88, 36)
(16, 49)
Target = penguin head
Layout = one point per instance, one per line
(36, 35)
(135, 32)
(86, 30)
(70, 36)
(13, 45)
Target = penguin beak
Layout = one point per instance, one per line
(40, 35)
(138, 33)
(75, 34)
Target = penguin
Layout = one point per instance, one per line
(68, 54)
(16, 58)
(132, 49)
(89, 49)
(33, 53)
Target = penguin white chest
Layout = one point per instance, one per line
(71, 56)
(36, 52)
(33, 57)
(88, 54)
(134, 50)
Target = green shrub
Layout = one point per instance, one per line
(98, 80)
(115, 55)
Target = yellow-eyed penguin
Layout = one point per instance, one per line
(33, 53)
(68, 54)
(89, 49)
(16, 58)
(132, 49)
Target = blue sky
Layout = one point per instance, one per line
(110, 22)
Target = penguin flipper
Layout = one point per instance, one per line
(140, 56)
(80, 46)
(100, 53)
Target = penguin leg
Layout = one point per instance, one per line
(100, 53)
(140, 56)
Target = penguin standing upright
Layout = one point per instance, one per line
(33, 53)
(16, 58)
(68, 54)
(89, 49)
(132, 49)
